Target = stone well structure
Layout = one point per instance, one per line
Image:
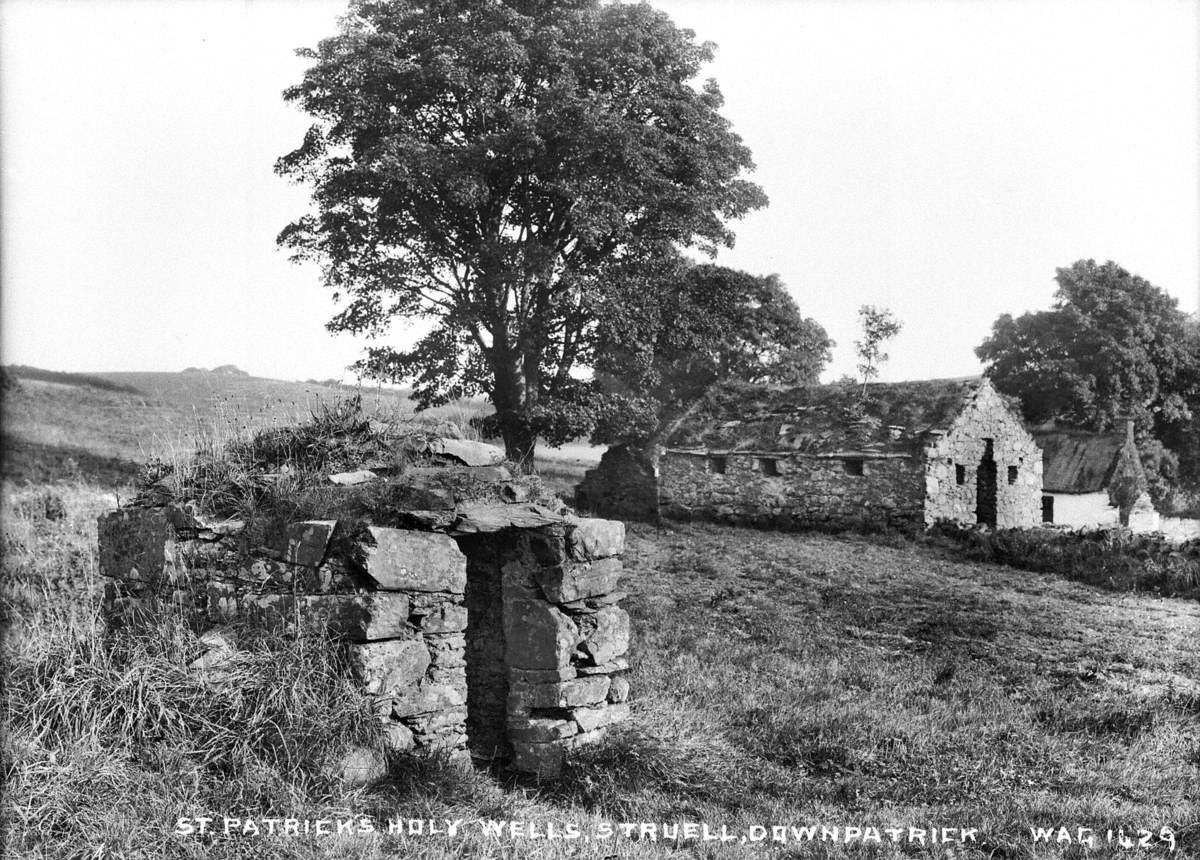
(484, 618)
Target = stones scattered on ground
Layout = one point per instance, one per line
(351, 479)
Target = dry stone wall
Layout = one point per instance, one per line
(484, 628)
(624, 485)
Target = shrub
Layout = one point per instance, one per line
(1116, 559)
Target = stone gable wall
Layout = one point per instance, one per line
(624, 485)
(808, 492)
(986, 416)
(504, 640)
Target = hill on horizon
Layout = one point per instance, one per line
(104, 426)
(220, 370)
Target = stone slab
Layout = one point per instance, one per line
(591, 538)
(541, 729)
(609, 638)
(575, 581)
(365, 617)
(404, 560)
(468, 452)
(537, 636)
(391, 666)
(564, 694)
(308, 541)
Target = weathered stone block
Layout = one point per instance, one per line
(138, 543)
(542, 676)
(543, 759)
(591, 538)
(564, 694)
(590, 719)
(447, 618)
(569, 582)
(619, 691)
(610, 636)
(377, 615)
(308, 541)
(447, 650)
(618, 665)
(446, 721)
(486, 517)
(467, 452)
(402, 560)
(541, 729)
(391, 666)
(537, 636)
(427, 698)
(421, 490)
(398, 737)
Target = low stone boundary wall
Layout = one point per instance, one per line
(499, 634)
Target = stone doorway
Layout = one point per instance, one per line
(486, 669)
(985, 486)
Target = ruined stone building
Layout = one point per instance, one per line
(905, 455)
(1093, 480)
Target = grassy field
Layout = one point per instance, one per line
(780, 680)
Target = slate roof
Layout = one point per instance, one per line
(824, 419)
(1078, 461)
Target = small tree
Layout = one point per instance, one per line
(879, 325)
(493, 166)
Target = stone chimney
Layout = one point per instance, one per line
(1127, 422)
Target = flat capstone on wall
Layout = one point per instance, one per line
(482, 626)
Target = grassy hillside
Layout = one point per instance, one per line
(68, 426)
(102, 427)
(779, 680)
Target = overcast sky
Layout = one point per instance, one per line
(939, 158)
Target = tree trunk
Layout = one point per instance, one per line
(509, 398)
(519, 443)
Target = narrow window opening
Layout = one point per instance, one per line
(960, 475)
(716, 465)
(852, 466)
(1012, 474)
(769, 466)
(1047, 509)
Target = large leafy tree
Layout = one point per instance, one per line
(494, 166)
(669, 337)
(1112, 345)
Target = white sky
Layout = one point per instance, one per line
(939, 158)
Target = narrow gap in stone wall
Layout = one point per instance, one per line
(487, 674)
